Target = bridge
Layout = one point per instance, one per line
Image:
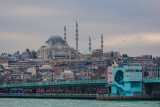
(56, 84)
(69, 83)
(151, 86)
(151, 80)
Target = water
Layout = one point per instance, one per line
(14, 102)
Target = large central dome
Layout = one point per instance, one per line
(54, 39)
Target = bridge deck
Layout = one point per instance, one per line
(69, 83)
(55, 84)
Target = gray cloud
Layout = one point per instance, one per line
(28, 24)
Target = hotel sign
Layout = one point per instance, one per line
(110, 75)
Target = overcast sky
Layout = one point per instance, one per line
(128, 26)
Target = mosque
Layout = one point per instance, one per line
(57, 48)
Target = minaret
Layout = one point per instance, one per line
(50, 57)
(76, 38)
(102, 42)
(65, 33)
(89, 44)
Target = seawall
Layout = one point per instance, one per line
(111, 98)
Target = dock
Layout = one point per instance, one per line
(50, 95)
(112, 98)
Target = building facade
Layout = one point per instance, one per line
(126, 80)
(55, 49)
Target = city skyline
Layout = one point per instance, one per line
(130, 27)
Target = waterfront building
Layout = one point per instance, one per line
(126, 80)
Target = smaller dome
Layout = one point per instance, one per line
(68, 74)
(25, 52)
(46, 67)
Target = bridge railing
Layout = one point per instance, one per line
(55, 83)
(47, 94)
(151, 79)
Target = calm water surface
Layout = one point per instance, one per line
(14, 102)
